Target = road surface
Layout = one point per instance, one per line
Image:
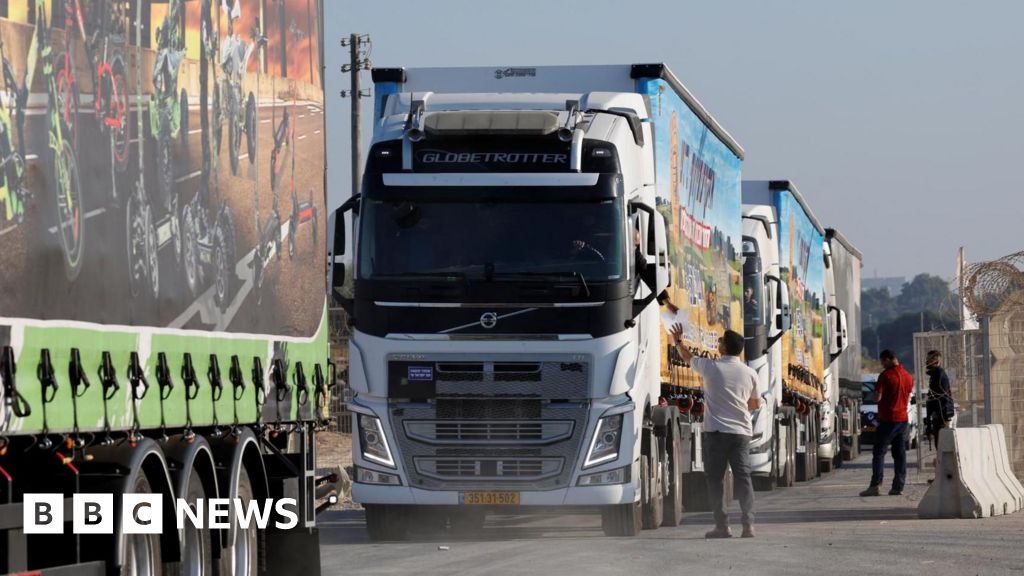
(821, 527)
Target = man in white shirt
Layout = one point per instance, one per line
(730, 394)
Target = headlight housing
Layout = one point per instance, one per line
(604, 447)
(373, 442)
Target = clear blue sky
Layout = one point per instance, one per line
(900, 121)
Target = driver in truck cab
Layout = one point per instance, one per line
(730, 395)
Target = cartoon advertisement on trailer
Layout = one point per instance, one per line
(802, 267)
(163, 164)
(698, 192)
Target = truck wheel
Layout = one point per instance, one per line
(140, 554)
(197, 544)
(651, 484)
(767, 483)
(386, 522)
(674, 494)
(242, 557)
(621, 520)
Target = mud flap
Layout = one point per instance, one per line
(295, 551)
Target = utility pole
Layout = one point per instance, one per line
(359, 60)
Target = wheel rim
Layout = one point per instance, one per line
(141, 556)
(195, 550)
(241, 561)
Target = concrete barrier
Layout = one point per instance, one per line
(1003, 467)
(972, 479)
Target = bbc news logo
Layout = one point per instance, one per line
(144, 513)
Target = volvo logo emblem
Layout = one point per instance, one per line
(489, 320)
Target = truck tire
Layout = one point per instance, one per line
(651, 481)
(141, 554)
(197, 544)
(621, 520)
(241, 558)
(674, 493)
(386, 522)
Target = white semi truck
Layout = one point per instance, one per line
(793, 333)
(514, 228)
(846, 260)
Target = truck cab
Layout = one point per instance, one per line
(765, 319)
(505, 337)
(835, 332)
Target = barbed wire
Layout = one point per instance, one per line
(989, 285)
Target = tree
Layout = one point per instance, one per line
(924, 292)
(877, 306)
(898, 334)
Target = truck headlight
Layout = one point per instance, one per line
(617, 476)
(373, 441)
(605, 445)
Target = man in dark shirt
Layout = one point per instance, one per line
(892, 393)
(940, 399)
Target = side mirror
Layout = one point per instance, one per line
(661, 254)
(783, 318)
(336, 263)
(839, 338)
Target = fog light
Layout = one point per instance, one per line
(364, 476)
(617, 476)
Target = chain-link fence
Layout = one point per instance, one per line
(986, 373)
(963, 355)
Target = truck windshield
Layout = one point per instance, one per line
(493, 241)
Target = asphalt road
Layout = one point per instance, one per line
(821, 527)
(101, 292)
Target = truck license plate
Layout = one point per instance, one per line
(489, 498)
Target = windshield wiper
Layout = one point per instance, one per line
(555, 276)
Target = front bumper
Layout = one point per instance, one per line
(576, 496)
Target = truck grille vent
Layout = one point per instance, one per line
(489, 468)
(489, 431)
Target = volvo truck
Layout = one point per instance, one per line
(190, 391)
(515, 231)
(847, 263)
(787, 323)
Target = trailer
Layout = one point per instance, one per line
(787, 268)
(135, 356)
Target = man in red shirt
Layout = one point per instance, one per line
(892, 393)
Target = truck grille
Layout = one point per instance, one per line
(489, 468)
(489, 432)
(468, 423)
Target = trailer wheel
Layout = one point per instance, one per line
(197, 544)
(386, 522)
(241, 558)
(141, 552)
(621, 520)
(674, 496)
